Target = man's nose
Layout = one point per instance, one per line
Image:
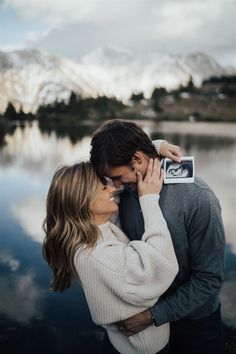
(117, 183)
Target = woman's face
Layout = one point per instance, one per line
(104, 204)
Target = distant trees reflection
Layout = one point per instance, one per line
(213, 102)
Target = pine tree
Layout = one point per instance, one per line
(10, 112)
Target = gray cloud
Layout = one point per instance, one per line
(144, 25)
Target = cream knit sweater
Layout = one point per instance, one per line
(122, 278)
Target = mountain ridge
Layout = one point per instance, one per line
(31, 78)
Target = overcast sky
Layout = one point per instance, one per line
(71, 28)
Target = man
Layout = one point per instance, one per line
(192, 211)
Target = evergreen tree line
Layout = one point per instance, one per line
(227, 84)
(160, 92)
(79, 109)
(221, 79)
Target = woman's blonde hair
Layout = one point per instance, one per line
(69, 221)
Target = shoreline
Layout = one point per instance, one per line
(197, 128)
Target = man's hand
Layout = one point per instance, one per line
(173, 152)
(136, 323)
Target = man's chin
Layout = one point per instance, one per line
(132, 186)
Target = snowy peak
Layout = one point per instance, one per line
(120, 73)
(21, 58)
(31, 78)
(107, 56)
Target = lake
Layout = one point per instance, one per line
(34, 320)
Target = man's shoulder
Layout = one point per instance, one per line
(186, 198)
(198, 189)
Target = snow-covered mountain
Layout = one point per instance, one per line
(30, 78)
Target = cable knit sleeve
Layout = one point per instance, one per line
(145, 268)
(153, 266)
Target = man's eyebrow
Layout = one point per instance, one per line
(115, 177)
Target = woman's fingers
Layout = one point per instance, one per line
(149, 169)
(139, 177)
(156, 168)
(162, 176)
(153, 170)
(139, 181)
(153, 180)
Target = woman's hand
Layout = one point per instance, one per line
(173, 152)
(153, 180)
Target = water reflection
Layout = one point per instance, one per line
(62, 130)
(40, 152)
(22, 297)
(32, 225)
(27, 308)
(6, 258)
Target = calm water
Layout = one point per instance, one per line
(33, 319)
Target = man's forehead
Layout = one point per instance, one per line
(116, 171)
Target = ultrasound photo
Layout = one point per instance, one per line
(179, 172)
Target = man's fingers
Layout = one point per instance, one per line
(175, 158)
(128, 334)
(131, 327)
(176, 153)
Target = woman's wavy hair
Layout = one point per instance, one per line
(69, 221)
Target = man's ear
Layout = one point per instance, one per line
(137, 158)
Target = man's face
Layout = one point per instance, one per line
(122, 175)
(126, 175)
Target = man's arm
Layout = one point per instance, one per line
(165, 149)
(207, 248)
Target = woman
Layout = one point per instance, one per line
(120, 278)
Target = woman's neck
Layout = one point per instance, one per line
(102, 219)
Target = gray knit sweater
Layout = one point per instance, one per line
(193, 216)
(122, 278)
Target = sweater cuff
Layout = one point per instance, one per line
(159, 313)
(151, 210)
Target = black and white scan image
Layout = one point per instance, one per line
(179, 172)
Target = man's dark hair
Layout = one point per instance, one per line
(115, 143)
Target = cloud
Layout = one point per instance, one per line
(35, 36)
(20, 298)
(171, 26)
(61, 11)
(11, 47)
(7, 259)
(31, 222)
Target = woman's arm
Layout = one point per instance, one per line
(149, 266)
(140, 271)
